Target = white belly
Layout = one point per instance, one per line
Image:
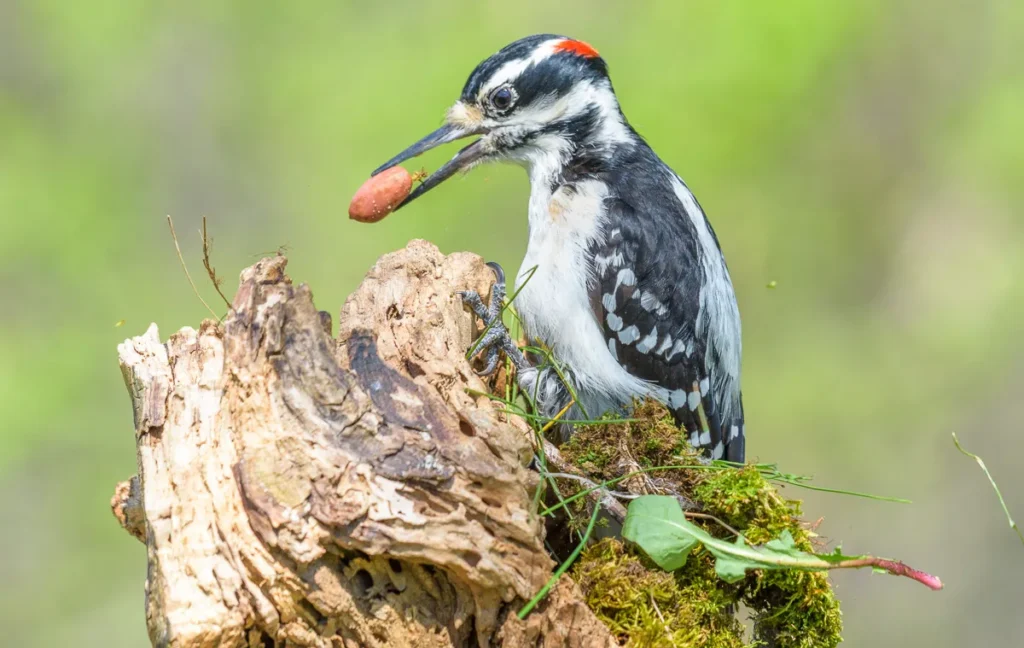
(554, 304)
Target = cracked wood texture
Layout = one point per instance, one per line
(297, 490)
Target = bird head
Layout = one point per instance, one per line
(540, 102)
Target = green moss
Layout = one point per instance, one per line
(794, 609)
(648, 608)
(746, 500)
(791, 609)
(607, 450)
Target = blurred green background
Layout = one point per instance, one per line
(868, 157)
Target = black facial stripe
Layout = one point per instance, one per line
(552, 78)
(576, 128)
(506, 140)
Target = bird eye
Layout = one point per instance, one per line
(502, 98)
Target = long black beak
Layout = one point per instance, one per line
(463, 159)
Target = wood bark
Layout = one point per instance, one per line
(299, 490)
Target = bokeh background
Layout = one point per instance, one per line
(868, 157)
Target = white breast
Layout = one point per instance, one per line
(554, 304)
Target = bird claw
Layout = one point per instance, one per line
(496, 337)
(493, 355)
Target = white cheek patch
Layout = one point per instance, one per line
(583, 96)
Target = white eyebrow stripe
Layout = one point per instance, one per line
(513, 69)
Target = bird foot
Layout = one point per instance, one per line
(496, 337)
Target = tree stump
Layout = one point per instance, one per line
(297, 490)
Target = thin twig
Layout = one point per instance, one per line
(174, 236)
(664, 625)
(549, 358)
(722, 523)
(589, 483)
(1002, 502)
(210, 271)
(606, 483)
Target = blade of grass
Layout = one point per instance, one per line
(771, 471)
(537, 417)
(532, 603)
(518, 411)
(538, 494)
(540, 443)
(995, 487)
(717, 465)
(498, 399)
(551, 423)
(801, 483)
(550, 359)
(517, 330)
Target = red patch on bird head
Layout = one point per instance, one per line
(576, 47)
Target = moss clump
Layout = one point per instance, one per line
(608, 450)
(746, 500)
(794, 609)
(791, 609)
(648, 608)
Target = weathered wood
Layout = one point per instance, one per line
(299, 490)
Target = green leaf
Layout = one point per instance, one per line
(729, 568)
(784, 545)
(657, 524)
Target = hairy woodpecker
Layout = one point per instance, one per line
(623, 278)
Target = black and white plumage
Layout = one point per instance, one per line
(627, 286)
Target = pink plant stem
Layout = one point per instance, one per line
(894, 567)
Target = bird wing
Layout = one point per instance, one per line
(645, 291)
